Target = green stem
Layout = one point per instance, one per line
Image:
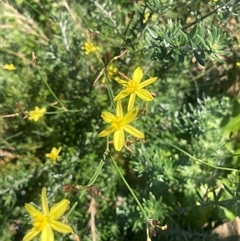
(61, 111)
(202, 162)
(71, 210)
(130, 189)
(90, 183)
(110, 93)
(194, 158)
(111, 96)
(51, 91)
(96, 174)
(126, 30)
(200, 19)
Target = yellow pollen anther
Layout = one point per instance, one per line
(40, 221)
(131, 86)
(117, 124)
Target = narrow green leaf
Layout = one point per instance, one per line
(198, 57)
(224, 213)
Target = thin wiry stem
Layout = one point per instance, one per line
(130, 189)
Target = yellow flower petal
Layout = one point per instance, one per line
(131, 101)
(60, 227)
(9, 67)
(134, 87)
(146, 16)
(107, 116)
(137, 75)
(122, 82)
(118, 124)
(31, 234)
(122, 94)
(47, 234)
(118, 139)
(144, 95)
(45, 208)
(58, 209)
(44, 221)
(106, 132)
(130, 116)
(36, 114)
(119, 110)
(54, 154)
(133, 131)
(59, 149)
(89, 47)
(147, 82)
(32, 210)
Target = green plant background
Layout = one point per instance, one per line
(191, 128)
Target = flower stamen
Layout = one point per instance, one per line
(40, 221)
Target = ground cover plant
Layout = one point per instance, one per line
(119, 120)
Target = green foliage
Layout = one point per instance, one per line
(172, 44)
(184, 175)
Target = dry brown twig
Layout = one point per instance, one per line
(93, 210)
(102, 71)
(25, 24)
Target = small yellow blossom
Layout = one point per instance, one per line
(146, 16)
(46, 221)
(119, 124)
(238, 64)
(36, 114)
(9, 67)
(54, 154)
(134, 87)
(89, 47)
(111, 72)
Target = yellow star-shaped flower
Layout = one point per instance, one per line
(119, 124)
(134, 87)
(54, 154)
(36, 114)
(9, 67)
(46, 221)
(89, 47)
